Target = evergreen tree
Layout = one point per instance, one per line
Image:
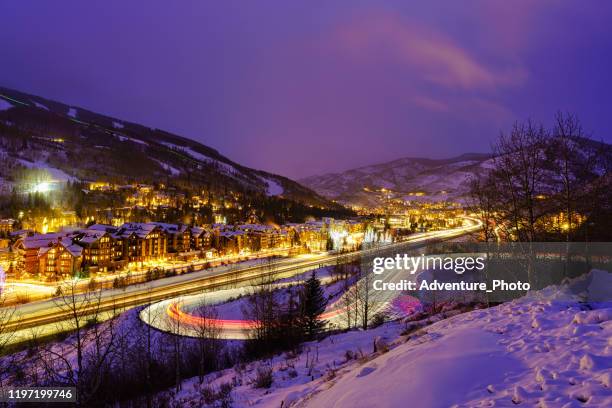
(312, 305)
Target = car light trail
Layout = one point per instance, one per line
(175, 311)
(187, 323)
(179, 315)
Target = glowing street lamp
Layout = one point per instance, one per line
(42, 187)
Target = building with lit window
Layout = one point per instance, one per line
(142, 241)
(178, 236)
(51, 256)
(201, 239)
(6, 226)
(101, 251)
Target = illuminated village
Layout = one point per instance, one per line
(137, 237)
(303, 205)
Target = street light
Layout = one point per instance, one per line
(42, 187)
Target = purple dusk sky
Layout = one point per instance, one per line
(307, 87)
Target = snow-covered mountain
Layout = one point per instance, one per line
(72, 143)
(414, 178)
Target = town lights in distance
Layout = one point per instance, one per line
(412, 264)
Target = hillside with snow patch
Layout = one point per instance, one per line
(437, 179)
(72, 143)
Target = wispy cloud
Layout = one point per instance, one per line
(430, 103)
(427, 53)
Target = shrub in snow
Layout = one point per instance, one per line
(380, 345)
(224, 395)
(208, 394)
(378, 319)
(221, 397)
(411, 327)
(263, 377)
(292, 373)
(330, 374)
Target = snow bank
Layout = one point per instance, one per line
(295, 376)
(4, 105)
(546, 349)
(437, 373)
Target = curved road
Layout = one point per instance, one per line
(47, 317)
(180, 316)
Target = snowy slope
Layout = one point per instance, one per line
(438, 373)
(437, 178)
(548, 349)
(4, 105)
(542, 350)
(274, 188)
(92, 146)
(55, 174)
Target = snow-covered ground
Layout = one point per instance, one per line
(189, 151)
(295, 376)
(226, 168)
(274, 187)
(548, 349)
(4, 105)
(57, 175)
(131, 139)
(40, 106)
(171, 169)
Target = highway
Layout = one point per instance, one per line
(47, 317)
(180, 315)
(16, 292)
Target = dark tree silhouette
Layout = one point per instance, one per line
(312, 304)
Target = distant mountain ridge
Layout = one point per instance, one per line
(416, 178)
(76, 143)
(425, 179)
